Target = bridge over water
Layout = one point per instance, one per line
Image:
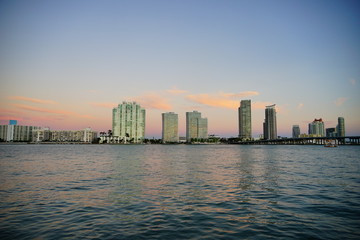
(350, 140)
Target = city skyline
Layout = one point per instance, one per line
(66, 64)
(129, 123)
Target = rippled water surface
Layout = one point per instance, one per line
(179, 192)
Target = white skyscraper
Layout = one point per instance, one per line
(317, 128)
(196, 126)
(170, 127)
(129, 122)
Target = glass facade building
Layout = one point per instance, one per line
(341, 127)
(245, 119)
(317, 128)
(295, 131)
(270, 125)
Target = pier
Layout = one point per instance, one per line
(353, 140)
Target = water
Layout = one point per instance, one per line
(179, 192)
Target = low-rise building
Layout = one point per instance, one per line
(16, 133)
(46, 135)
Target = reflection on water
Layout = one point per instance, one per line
(178, 191)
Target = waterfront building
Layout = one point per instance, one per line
(128, 122)
(46, 135)
(341, 127)
(295, 131)
(245, 119)
(3, 132)
(196, 126)
(41, 135)
(270, 125)
(170, 129)
(16, 133)
(331, 132)
(317, 128)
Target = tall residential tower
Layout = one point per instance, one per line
(296, 131)
(245, 119)
(196, 126)
(170, 133)
(270, 126)
(317, 128)
(341, 127)
(129, 122)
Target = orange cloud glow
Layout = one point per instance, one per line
(240, 94)
(153, 101)
(52, 111)
(213, 101)
(176, 91)
(34, 100)
(222, 100)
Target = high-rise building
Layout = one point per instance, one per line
(170, 129)
(331, 132)
(196, 126)
(202, 128)
(317, 128)
(295, 131)
(245, 119)
(129, 122)
(270, 126)
(341, 127)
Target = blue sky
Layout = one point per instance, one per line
(64, 64)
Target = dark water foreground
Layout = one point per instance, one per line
(179, 192)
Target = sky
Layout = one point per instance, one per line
(65, 64)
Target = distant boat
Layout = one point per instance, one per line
(330, 144)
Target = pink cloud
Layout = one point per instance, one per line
(340, 101)
(222, 100)
(51, 111)
(34, 100)
(353, 81)
(153, 101)
(213, 101)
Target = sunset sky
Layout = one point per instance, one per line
(66, 64)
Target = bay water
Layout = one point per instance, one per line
(179, 192)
